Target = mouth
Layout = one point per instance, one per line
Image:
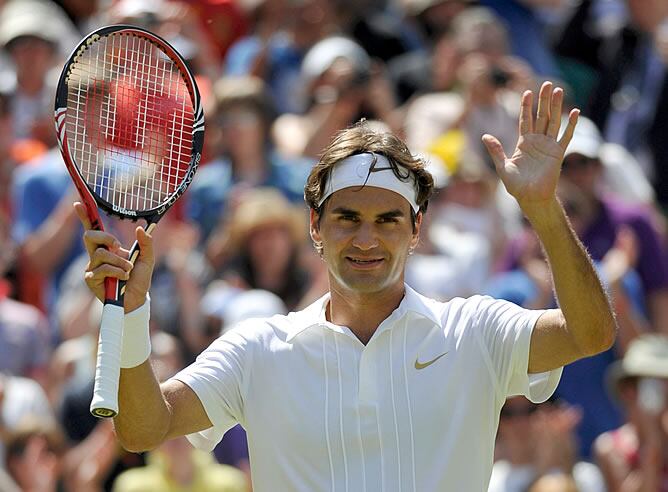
(364, 263)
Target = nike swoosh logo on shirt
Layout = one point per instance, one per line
(421, 365)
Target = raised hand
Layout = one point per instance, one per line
(531, 174)
(108, 259)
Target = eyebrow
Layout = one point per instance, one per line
(390, 214)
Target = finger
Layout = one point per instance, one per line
(145, 241)
(555, 113)
(570, 129)
(495, 150)
(97, 276)
(103, 256)
(96, 239)
(543, 113)
(80, 209)
(526, 118)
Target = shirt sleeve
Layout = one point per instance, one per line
(505, 332)
(218, 377)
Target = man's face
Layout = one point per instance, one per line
(582, 172)
(366, 234)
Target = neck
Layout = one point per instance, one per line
(362, 313)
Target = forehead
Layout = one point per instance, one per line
(368, 199)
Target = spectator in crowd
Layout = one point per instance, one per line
(434, 17)
(261, 244)
(463, 233)
(284, 32)
(629, 104)
(437, 72)
(538, 439)
(582, 383)
(34, 456)
(488, 83)
(176, 466)
(527, 30)
(341, 86)
(633, 457)
(244, 154)
(31, 31)
(601, 216)
(21, 399)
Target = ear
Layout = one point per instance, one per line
(314, 230)
(415, 240)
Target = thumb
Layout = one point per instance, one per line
(145, 241)
(495, 150)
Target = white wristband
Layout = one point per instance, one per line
(136, 346)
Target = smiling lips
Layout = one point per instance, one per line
(364, 262)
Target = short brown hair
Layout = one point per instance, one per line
(361, 138)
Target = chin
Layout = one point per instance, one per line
(368, 285)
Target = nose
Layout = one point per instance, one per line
(365, 238)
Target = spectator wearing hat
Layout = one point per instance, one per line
(603, 214)
(341, 86)
(527, 284)
(260, 246)
(244, 154)
(31, 32)
(634, 457)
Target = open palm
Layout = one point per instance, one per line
(532, 172)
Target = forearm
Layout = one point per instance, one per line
(582, 299)
(328, 119)
(144, 417)
(47, 246)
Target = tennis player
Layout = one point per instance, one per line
(373, 387)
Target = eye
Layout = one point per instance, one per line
(388, 220)
(349, 218)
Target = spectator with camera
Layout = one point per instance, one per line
(341, 85)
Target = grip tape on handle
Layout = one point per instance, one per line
(108, 367)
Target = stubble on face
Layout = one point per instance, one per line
(366, 234)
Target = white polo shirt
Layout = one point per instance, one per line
(416, 409)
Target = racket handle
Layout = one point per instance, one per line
(108, 367)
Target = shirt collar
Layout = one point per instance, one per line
(412, 304)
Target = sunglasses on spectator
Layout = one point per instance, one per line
(509, 412)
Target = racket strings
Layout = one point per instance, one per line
(129, 121)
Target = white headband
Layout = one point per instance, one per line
(356, 171)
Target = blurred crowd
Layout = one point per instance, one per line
(278, 79)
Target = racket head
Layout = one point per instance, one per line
(129, 121)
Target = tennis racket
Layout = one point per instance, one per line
(130, 127)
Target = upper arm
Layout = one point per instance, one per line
(187, 412)
(551, 346)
